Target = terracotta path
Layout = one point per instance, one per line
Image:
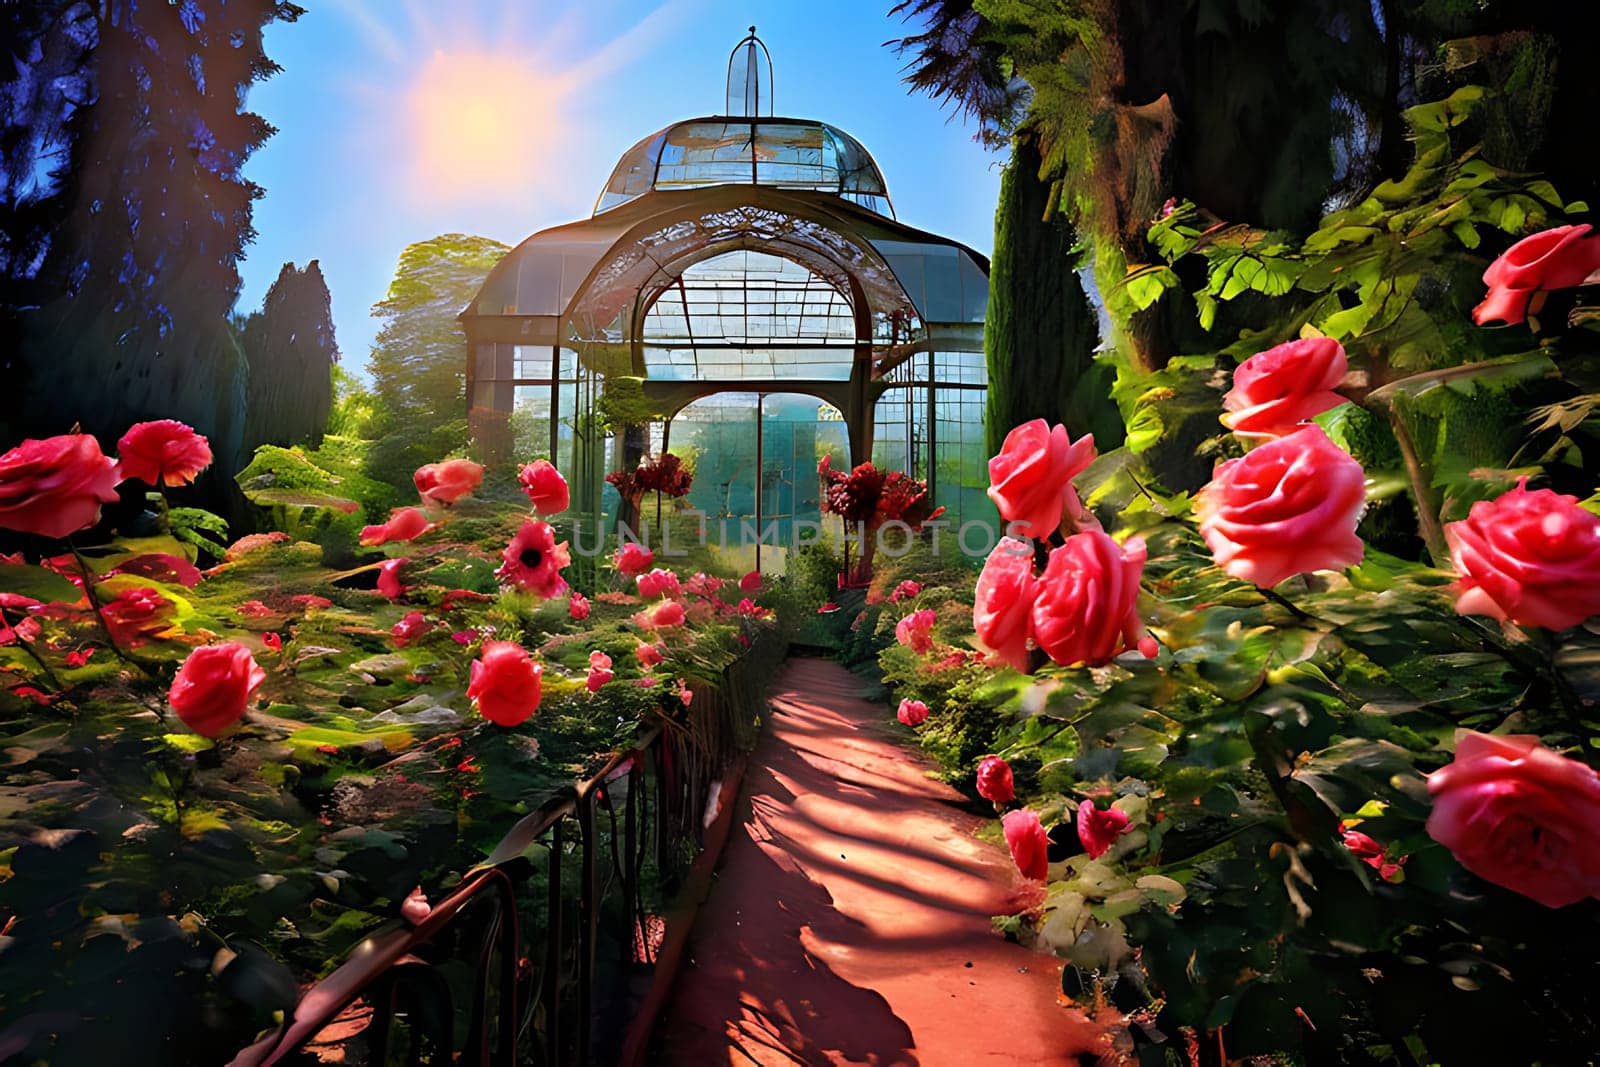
(849, 922)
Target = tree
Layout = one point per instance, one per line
(419, 359)
(291, 351)
(129, 274)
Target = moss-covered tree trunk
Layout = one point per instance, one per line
(1041, 330)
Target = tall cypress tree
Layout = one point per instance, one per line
(140, 273)
(290, 348)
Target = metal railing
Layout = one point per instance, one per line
(504, 970)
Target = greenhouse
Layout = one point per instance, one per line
(747, 271)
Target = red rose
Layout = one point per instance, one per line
(1002, 602)
(533, 560)
(750, 583)
(213, 687)
(1030, 481)
(545, 487)
(648, 655)
(137, 616)
(1560, 258)
(1288, 507)
(505, 683)
(1098, 830)
(1530, 557)
(658, 583)
(995, 782)
(408, 629)
(1372, 853)
(389, 579)
(912, 712)
(1521, 816)
(906, 590)
(1030, 846)
(598, 676)
(447, 482)
(165, 452)
(1086, 609)
(1276, 390)
(55, 487)
(633, 558)
(915, 631)
(667, 613)
(404, 524)
(578, 607)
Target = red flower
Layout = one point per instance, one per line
(854, 496)
(253, 609)
(915, 631)
(702, 585)
(505, 683)
(1288, 507)
(1030, 846)
(1030, 481)
(545, 487)
(578, 607)
(164, 452)
(272, 641)
(1277, 390)
(648, 655)
(906, 590)
(912, 712)
(55, 487)
(667, 613)
(1559, 258)
(463, 637)
(137, 616)
(410, 628)
(1002, 601)
(750, 583)
(1098, 830)
(1521, 816)
(1371, 853)
(664, 474)
(77, 658)
(995, 782)
(445, 483)
(685, 694)
(658, 583)
(1530, 557)
(389, 579)
(1086, 609)
(213, 687)
(633, 558)
(533, 560)
(404, 524)
(160, 567)
(828, 609)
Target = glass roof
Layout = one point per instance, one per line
(740, 150)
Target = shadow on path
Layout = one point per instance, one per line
(849, 923)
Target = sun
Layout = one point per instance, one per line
(480, 123)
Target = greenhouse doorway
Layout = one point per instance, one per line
(753, 520)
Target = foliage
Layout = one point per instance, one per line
(291, 351)
(418, 361)
(138, 859)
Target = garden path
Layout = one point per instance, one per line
(849, 921)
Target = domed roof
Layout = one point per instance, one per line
(749, 150)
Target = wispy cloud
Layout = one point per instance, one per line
(375, 30)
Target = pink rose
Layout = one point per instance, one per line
(912, 712)
(1029, 844)
(505, 683)
(1288, 507)
(1030, 481)
(1099, 829)
(906, 590)
(1276, 390)
(404, 524)
(545, 487)
(599, 660)
(389, 578)
(415, 907)
(1521, 816)
(1002, 602)
(648, 655)
(1531, 557)
(598, 676)
(633, 558)
(445, 483)
(165, 452)
(1559, 258)
(578, 607)
(667, 613)
(1086, 609)
(915, 631)
(408, 629)
(995, 782)
(533, 560)
(685, 694)
(653, 585)
(55, 487)
(212, 689)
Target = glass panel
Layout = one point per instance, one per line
(962, 467)
(530, 423)
(532, 362)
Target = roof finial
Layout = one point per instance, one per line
(749, 93)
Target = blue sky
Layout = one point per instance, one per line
(401, 119)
